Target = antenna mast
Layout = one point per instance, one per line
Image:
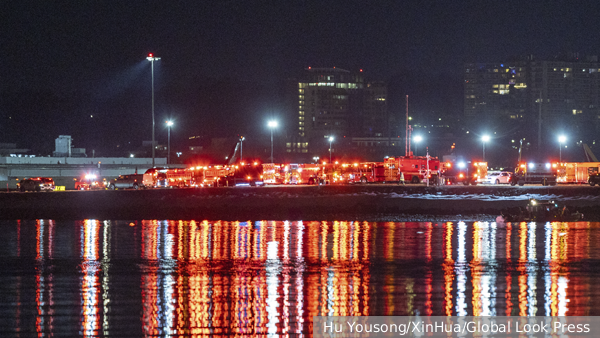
(406, 132)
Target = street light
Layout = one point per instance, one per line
(242, 138)
(169, 124)
(484, 139)
(272, 124)
(417, 139)
(561, 139)
(330, 140)
(152, 58)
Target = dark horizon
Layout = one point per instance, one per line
(80, 69)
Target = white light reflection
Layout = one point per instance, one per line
(272, 268)
(532, 271)
(286, 278)
(562, 295)
(299, 280)
(166, 304)
(488, 280)
(460, 270)
(548, 269)
(105, 281)
(330, 292)
(89, 280)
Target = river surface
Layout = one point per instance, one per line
(185, 278)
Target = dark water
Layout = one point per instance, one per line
(187, 278)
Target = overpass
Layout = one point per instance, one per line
(65, 169)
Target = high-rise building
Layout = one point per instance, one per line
(339, 103)
(513, 97)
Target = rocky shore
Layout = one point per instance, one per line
(360, 202)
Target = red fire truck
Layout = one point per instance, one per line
(366, 172)
(415, 169)
(297, 173)
(273, 173)
(208, 176)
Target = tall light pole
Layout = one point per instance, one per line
(152, 58)
(484, 139)
(330, 141)
(272, 124)
(242, 138)
(561, 139)
(169, 124)
(417, 139)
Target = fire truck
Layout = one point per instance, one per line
(461, 172)
(273, 173)
(535, 173)
(165, 178)
(576, 172)
(304, 173)
(208, 176)
(89, 182)
(415, 169)
(366, 172)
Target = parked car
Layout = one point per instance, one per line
(36, 184)
(594, 179)
(133, 181)
(498, 177)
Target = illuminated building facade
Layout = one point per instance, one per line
(336, 102)
(507, 95)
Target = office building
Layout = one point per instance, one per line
(512, 98)
(339, 103)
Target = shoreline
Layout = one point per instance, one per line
(368, 203)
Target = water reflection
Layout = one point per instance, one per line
(157, 277)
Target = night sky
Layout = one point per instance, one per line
(78, 67)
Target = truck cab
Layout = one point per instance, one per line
(543, 173)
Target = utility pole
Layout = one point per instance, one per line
(539, 143)
(406, 131)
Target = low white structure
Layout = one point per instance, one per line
(66, 168)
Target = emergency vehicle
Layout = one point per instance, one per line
(308, 173)
(366, 172)
(167, 178)
(416, 169)
(273, 173)
(208, 176)
(242, 175)
(461, 172)
(576, 172)
(543, 173)
(89, 182)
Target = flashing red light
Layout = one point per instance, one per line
(150, 55)
(361, 70)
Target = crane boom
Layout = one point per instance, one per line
(589, 155)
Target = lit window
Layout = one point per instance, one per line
(288, 145)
